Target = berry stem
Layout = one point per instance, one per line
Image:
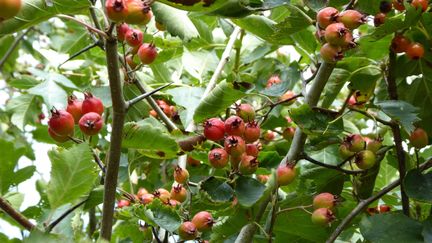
(145, 95)
(333, 167)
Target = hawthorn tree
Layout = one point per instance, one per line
(217, 121)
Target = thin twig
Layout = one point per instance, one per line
(64, 215)
(85, 49)
(17, 216)
(367, 114)
(333, 167)
(143, 96)
(89, 27)
(293, 208)
(12, 47)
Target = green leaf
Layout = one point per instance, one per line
(35, 11)
(51, 92)
(391, 227)
(24, 82)
(128, 230)
(8, 160)
(418, 186)
(73, 174)
(295, 22)
(24, 174)
(95, 198)
(290, 77)
(220, 98)
(24, 108)
(315, 122)
(334, 85)
(198, 6)
(228, 226)
(151, 140)
(217, 189)
(248, 191)
(365, 78)
(162, 215)
(427, 229)
(401, 111)
(176, 21)
(187, 97)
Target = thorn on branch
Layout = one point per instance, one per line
(145, 95)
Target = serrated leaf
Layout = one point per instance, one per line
(418, 185)
(334, 85)
(220, 98)
(228, 226)
(187, 97)
(73, 174)
(24, 82)
(24, 174)
(402, 112)
(248, 191)
(217, 189)
(52, 94)
(365, 78)
(294, 23)
(176, 21)
(24, 108)
(196, 7)
(150, 139)
(159, 214)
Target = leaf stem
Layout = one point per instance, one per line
(12, 47)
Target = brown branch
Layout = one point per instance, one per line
(89, 27)
(12, 47)
(190, 143)
(333, 167)
(17, 216)
(119, 111)
(390, 78)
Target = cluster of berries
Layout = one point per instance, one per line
(324, 204)
(413, 50)
(169, 110)
(86, 113)
(336, 30)
(377, 210)
(361, 149)
(201, 222)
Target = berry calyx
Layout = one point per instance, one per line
(92, 104)
(335, 34)
(234, 146)
(324, 200)
(252, 132)
(179, 193)
(285, 174)
(9, 9)
(123, 203)
(248, 165)
(252, 150)
(419, 138)
(187, 231)
(90, 123)
(288, 133)
(327, 16)
(147, 53)
(399, 5)
(415, 51)
(322, 217)
(274, 79)
(122, 29)
(57, 138)
(352, 19)
(330, 53)
(214, 129)
(365, 159)
(74, 107)
(234, 126)
(385, 6)
(61, 122)
(134, 37)
(139, 12)
(355, 142)
(218, 158)
(423, 4)
(162, 195)
(181, 175)
(116, 10)
(203, 221)
(400, 44)
(379, 19)
(245, 112)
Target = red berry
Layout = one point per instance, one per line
(92, 104)
(203, 221)
(91, 123)
(235, 126)
(245, 112)
(57, 138)
(252, 150)
(193, 162)
(269, 136)
(248, 165)
(285, 174)
(327, 16)
(146, 198)
(373, 145)
(218, 158)
(384, 208)
(9, 9)
(275, 79)
(162, 194)
(116, 10)
(61, 122)
(181, 175)
(372, 211)
(235, 146)
(288, 133)
(141, 192)
(415, 51)
(123, 203)
(263, 178)
(147, 53)
(74, 107)
(400, 44)
(235, 161)
(399, 5)
(419, 138)
(335, 34)
(355, 142)
(179, 193)
(153, 113)
(324, 200)
(352, 19)
(252, 132)
(187, 231)
(134, 37)
(122, 29)
(423, 4)
(385, 6)
(287, 96)
(173, 203)
(139, 12)
(214, 129)
(322, 216)
(365, 159)
(379, 19)
(331, 53)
